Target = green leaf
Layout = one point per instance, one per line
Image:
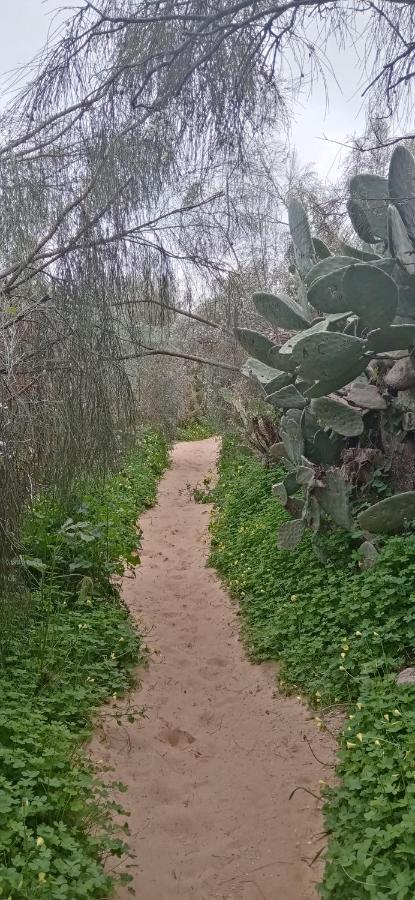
(372, 193)
(359, 219)
(279, 492)
(389, 516)
(334, 383)
(290, 534)
(326, 267)
(326, 293)
(292, 437)
(333, 497)
(402, 185)
(318, 328)
(371, 294)
(400, 244)
(369, 555)
(264, 374)
(280, 311)
(277, 451)
(301, 234)
(327, 354)
(321, 249)
(365, 395)
(287, 398)
(280, 381)
(362, 255)
(257, 345)
(391, 337)
(337, 415)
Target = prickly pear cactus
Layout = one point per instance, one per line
(345, 378)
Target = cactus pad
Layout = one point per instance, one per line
(402, 185)
(389, 516)
(290, 534)
(338, 416)
(280, 311)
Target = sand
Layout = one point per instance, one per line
(211, 768)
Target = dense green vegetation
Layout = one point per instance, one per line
(73, 648)
(195, 429)
(340, 634)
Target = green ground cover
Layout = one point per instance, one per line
(71, 647)
(340, 634)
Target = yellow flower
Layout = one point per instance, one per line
(351, 716)
(360, 737)
(121, 640)
(376, 634)
(114, 696)
(342, 669)
(40, 842)
(113, 656)
(294, 597)
(350, 745)
(345, 647)
(377, 743)
(386, 716)
(359, 705)
(42, 876)
(318, 694)
(358, 633)
(396, 712)
(342, 655)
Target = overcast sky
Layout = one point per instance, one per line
(24, 29)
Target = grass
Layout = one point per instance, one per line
(195, 430)
(74, 648)
(339, 634)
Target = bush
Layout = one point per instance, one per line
(77, 648)
(339, 633)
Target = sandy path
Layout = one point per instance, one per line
(211, 768)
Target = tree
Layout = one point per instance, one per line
(117, 185)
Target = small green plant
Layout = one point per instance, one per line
(195, 429)
(340, 633)
(76, 649)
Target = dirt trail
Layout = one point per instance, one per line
(211, 769)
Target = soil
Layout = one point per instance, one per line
(211, 768)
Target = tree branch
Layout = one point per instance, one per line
(150, 351)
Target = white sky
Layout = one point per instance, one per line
(24, 29)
